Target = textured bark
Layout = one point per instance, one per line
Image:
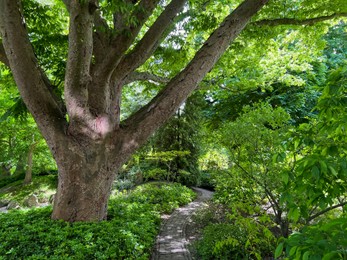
(85, 182)
(93, 144)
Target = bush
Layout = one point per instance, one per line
(245, 239)
(7, 180)
(206, 180)
(163, 197)
(325, 240)
(129, 233)
(156, 174)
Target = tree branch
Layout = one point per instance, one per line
(3, 57)
(102, 95)
(151, 116)
(325, 211)
(30, 79)
(122, 40)
(144, 76)
(77, 75)
(293, 21)
(150, 41)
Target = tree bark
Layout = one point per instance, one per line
(86, 171)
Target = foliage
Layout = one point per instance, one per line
(42, 186)
(320, 167)
(243, 238)
(177, 144)
(18, 133)
(129, 233)
(164, 197)
(324, 240)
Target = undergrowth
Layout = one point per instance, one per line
(129, 233)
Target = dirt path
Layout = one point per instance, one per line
(172, 241)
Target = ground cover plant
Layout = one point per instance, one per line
(129, 232)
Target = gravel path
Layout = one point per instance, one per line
(172, 240)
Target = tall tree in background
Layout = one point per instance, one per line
(108, 42)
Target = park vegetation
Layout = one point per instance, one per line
(125, 116)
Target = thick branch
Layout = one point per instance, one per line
(144, 76)
(150, 41)
(3, 57)
(293, 21)
(102, 94)
(77, 75)
(30, 79)
(177, 90)
(123, 40)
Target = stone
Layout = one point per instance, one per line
(31, 201)
(13, 205)
(4, 203)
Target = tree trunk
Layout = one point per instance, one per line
(29, 170)
(84, 188)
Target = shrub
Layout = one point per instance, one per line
(325, 240)
(129, 233)
(245, 239)
(156, 174)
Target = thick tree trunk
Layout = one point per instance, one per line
(84, 186)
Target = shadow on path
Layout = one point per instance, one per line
(172, 241)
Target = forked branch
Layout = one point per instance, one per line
(177, 90)
(150, 41)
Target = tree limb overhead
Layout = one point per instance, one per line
(151, 40)
(145, 76)
(177, 90)
(292, 21)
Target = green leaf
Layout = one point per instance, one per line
(292, 250)
(333, 171)
(315, 172)
(279, 250)
(306, 255)
(330, 256)
(285, 177)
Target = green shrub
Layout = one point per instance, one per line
(326, 240)
(7, 180)
(206, 180)
(156, 174)
(240, 240)
(164, 197)
(129, 233)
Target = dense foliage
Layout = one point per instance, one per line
(266, 129)
(129, 232)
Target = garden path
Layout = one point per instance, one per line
(173, 241)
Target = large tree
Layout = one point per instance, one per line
(106, 46)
